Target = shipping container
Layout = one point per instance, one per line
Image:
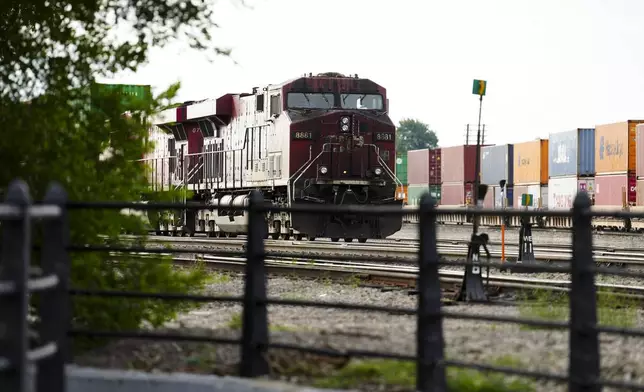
(639, 151)
(418, 160)
(572, 153)
(497, 164)
(131, 94)
(539, 195)
(615, 147)
(639, 193)
(561, 192)
(401, 193)
(435, 175)
(457, 193)
(610, 187)
(401, 167)
(531, 162)
(494, 198)
(458, 163)
(415, 192)
(587, 184)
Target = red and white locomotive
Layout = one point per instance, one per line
(323, 139)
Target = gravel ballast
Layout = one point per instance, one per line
(622, 358)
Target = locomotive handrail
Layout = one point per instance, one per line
(302, 171)
(384, 164)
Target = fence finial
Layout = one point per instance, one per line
(16, 250)
(584, 342)
(430, 372)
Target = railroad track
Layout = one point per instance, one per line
(400, 276)
(406, 252)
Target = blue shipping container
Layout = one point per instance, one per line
(572, 153)
(586, 152)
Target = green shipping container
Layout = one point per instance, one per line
(414, 193)
(401, 167)
(127, 91)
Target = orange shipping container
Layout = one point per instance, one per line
(531, 162)
(615, 147)
(401, 193)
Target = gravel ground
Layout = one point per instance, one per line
(622, 358)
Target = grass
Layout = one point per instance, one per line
(612, 309)
(397, 374)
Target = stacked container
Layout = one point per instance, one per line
(497, 164)
(615, 162)
(531, 172)
(639, 164)
(423, 173)
(401, 173)
(571, 166)
(458, 165)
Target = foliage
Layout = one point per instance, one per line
(403, 374)
(414, 134)
(612, 308)
(50, 56)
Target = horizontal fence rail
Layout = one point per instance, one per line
(45, 349)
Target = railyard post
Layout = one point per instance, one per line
(16, 249)
(430, 372)
(584, 342)
(55, 305)
(255, 318)
(478, 88)
(472, 288)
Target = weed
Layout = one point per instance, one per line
(612, 309)
(403, 374)
(235, 321)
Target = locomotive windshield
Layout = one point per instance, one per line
(311, 100)
(361, 101)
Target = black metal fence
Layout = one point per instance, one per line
(45, 350)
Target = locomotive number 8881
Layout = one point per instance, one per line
(323, 139)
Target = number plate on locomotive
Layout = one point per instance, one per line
(303, 135)
(384, 137)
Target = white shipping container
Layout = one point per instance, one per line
(544, 196)
(534, 190)
(588, 185)
(561, 192)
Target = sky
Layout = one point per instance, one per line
(551, 65)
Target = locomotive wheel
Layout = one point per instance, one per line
(275, 236)
(311, 238)
(335, 239)
(298, 237)
(212, 234)
(362, 240)
(348, 239)
(284, 237)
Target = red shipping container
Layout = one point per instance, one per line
(435, 175)
(608, 189)
(457, 193)
(418, 167)
(458, 163)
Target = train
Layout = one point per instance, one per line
(323, 139)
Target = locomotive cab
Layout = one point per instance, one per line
(342, 145)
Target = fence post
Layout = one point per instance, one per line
(255, 319)
(16, 249)
(584, 343)
(54, 305)
(430, 347)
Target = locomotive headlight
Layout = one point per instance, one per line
(345, 127)
(345, 120)
(323, 169)
(378, 171)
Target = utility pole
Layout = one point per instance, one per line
(478, 89)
